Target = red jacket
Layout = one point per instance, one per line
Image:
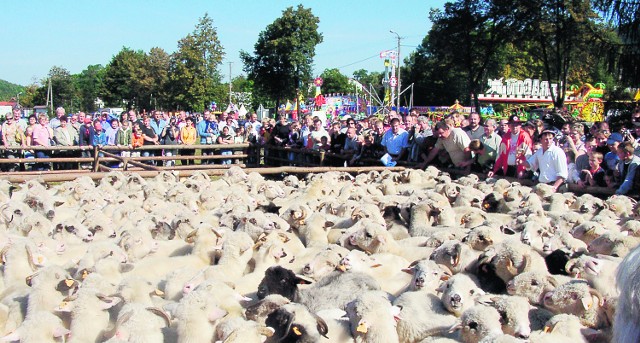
(505, 146)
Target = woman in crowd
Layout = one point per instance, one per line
(12, 136)
(225, 138)
(171, 136)
(41, 135)
(188, 136)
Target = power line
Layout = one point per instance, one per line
(366, 59)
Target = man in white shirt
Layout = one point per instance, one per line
(550, 160)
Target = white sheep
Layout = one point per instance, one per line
(42, 327)
(372, 318)
(422, 315)
(459, 293)
(477, 323)
(626, 326)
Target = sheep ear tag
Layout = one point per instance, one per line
(296, 331)
(362, 327)
(587, 302)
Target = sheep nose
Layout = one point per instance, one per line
(306, 269)
(419, 282)
(51, 214)
(522, 336)
(456, 298)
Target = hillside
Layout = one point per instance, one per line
(9, 90)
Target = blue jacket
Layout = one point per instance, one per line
(202, 128)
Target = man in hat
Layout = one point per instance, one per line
(515, 145)
(611, 158)
(550, 160)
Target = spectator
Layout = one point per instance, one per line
(55, 121)
(515, 145)
(63, 135)
(224, 139)
(315, 137)
(124, 138)
(171, 136)
(627, 168)
(12, 136)
(85, 139)
(133, 117)
(188, 136)
(474, 130)
(573, 175)
(367, 149)
(17, 118)
(137, 139)
(351, 146)
(594, 175)
(503, 127)
(99, 136)
(255, 124)
(150, 139)
(41, 135)
(452, 139)
(551, 162)
(420, 135)
(111, 131)
(491, 143)
(157, 124)
(574, 141)
(396, 140)
(281, 131)
(208, 131)
(611, 158)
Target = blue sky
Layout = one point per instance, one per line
(39, 34)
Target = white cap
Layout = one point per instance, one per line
(345, 117)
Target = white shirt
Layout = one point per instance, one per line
(552, 164)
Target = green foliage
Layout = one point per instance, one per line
(8, 90)
(283, 55)
(90, 85)
(193, 69)
(125, 78)
(335, 82)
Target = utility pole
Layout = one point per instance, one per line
(230, 63)
(398, 68)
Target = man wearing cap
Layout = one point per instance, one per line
(611, 158)
(550, 160)
(515, 145)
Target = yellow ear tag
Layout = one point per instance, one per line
(297, 331)
(158, 292)
(547, 329)
(362, 328)
(68, 282)
(85, 273)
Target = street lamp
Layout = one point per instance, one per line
(398, 68)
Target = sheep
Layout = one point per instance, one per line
(459, 293)
(454, 255)
(332, 291)
(373, 318)
(238, 330)
(576, 298)
(259, 311)
(598, 271)
(613, 244)
(293, 322)
(138, 323)
(626, 325)
(374, 238)
(421, 315)
(481, 237)
(323, 262)
(89, 315)
(386, 268)
(49, 286)
(532, 285)
(426, 274)
(514, 314)
(42, 327)
(195, 317)
(631, 227)
(562, 328)
(588, 231)
(477, 323)
(512, 258)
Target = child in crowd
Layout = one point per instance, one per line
(137, 139)
(610, 179)
(595, 175)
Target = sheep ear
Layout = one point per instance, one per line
(60, 331)
(160, 313)
(322, 326)
(381, 239)
(14, 336)
(457, 326)
(107, 302)
(303, 280)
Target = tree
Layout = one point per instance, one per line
(125, 78)
(335, 82)
(194, 72)
(562, 32)
(158, 63)
(467, 35)
(283, 55)
(90, 85)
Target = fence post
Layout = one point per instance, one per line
(321, 157)
(95, 159)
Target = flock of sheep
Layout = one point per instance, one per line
(410, 256)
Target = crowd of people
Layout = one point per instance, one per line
(584, 155)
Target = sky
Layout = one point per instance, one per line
(39, 34)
